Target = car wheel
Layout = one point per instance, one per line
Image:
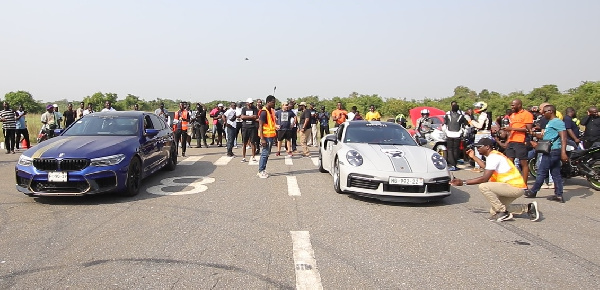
(172, 162)
(336, 176)
(321, 169)
(134, 177)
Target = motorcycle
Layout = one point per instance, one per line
(585, 163)
(435, 138)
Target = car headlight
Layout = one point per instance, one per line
(438, 161)
(107, 160)
(25, 161)
(354, 158)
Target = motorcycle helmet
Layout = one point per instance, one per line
(425, 112)
(480, 107)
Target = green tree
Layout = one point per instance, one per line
(26, 99)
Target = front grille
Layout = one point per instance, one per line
(362, 182)
(404, 188)
(48, 164)
(60, 187)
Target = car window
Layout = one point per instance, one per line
(148, 124)
(157, 122)
(104, 125)
(383, 134)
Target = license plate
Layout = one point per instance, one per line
(57, 176)
(406, 181)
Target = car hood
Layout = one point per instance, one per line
(395, 158)
(83, 146)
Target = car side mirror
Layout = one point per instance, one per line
(151, 132)
(330, 138)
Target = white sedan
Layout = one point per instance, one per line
(381, 160)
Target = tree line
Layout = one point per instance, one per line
(579, 98)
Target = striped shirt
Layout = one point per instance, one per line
(8, 119)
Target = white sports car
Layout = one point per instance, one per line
(381, 160)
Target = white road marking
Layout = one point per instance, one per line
(190, 160)
(197, 186)
(315, 160)
(292, 183)
(288, 160)
(307, 274)
(223, 161)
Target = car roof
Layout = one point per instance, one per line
(364, 123)
(120, 113)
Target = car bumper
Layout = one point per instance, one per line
(373, 184)
(35, 183)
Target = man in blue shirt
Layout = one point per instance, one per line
(22, 128)
(555, 132)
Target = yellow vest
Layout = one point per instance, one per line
(513, 177)
(268, 128)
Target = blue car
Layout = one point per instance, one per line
(101, 152)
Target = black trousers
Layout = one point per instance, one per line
(324, 130)
(294, 137)
(9, 139)
(453, 150)
(183, 136)
(200, 132)
(25, 134)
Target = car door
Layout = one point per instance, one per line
(149, 149)
(162, 139)
(331, 149)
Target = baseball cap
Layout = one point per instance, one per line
(220, 105)
(302, 103)
(49, 107)
(485, 142)
(249, 100)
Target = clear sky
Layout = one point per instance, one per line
(196, 50)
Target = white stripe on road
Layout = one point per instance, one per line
(292, 183)
(315, 160)
(190, 160)
(307, 274)
(223, 161)
(288, 160)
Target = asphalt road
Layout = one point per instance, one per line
(220, 226)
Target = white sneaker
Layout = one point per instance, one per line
(263, 174)
(253, 159)
(243, 160)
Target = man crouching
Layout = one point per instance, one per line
(501, 183)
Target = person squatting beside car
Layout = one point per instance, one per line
(501, 183)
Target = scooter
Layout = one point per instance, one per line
(585, 163)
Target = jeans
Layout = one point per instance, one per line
(264, 154)
(550, 162)
(230, 139)
(537, 165)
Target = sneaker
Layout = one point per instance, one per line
(243, 160)
(503, 216)
(263, 174)
(556, 198)
(532, 211)
(529, 194)
(252, 159)
(453, 168)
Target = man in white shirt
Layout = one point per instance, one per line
(108, 107)
(230, 121)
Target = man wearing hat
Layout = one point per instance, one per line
(249, 118)
(60, 116)
(304, 128)
(501, 183)
(50, 121)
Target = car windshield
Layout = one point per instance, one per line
(104, 126)
(378, 134)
